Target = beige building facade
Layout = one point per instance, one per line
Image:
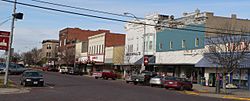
(49, 51)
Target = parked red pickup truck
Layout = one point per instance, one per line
(105, 75)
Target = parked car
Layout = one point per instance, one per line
(2, 66)
(107, 75)
(157, 81)
(97, 74)
(45, 68)
(53, 69)
(63, 69)
(178, 83)
(13, 68)
(32, 77)
(142, 78)
(75, 70)
(128, 79)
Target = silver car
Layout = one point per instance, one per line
(157, 81)
(14, 68)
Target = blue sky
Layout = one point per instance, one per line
(38, 24)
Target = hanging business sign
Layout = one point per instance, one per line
(97, 58)
(4, 40)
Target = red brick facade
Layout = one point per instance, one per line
(113, 39)
(69, 36)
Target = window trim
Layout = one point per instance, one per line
(197, 42)
(183, 44)
(160, 46)
(171, 44)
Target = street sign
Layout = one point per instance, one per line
(4, 40)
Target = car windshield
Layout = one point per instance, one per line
(32, 74)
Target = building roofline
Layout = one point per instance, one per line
(50, 40)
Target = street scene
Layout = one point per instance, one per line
(111, 50)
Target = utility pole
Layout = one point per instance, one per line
(14, 17)
(9, 48)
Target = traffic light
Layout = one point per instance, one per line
(18, 16)
(146, 60)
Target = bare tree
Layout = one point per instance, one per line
(228, 51)
(68, 56)
(32, 57)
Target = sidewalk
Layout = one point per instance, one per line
(236, 94)
(13, 89)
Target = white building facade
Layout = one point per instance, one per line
(141, 39)
(96, 48)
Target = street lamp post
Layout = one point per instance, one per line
(144, 33)
(14, 17)
(9, 48)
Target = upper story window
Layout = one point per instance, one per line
(150, 45)
(183, 44)
(60, 43)
(48, 46)
(171, 45)
(97, 49)
(48, 54)
(197, 42)
(131, 48)
(160, 46)
(103, 48)
(64, 42)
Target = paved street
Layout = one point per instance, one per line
(61, 87)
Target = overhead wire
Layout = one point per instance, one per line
(4, 22)
(108, 18)
(122, 15)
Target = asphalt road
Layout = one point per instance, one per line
(60, 87)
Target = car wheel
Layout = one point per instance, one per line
(21, 83)
(113, 78)
(166, 87)
(151, 85)
(96, 77)
(135, 83)
(127, 82)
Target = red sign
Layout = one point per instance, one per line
(4, 40)
(146, 60)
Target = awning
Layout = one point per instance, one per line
(204, 62)
(151, 60)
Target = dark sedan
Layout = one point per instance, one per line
(32, 78)
(178, 83)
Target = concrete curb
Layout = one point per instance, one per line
(14, 90)
(236, 98)
(206, 93)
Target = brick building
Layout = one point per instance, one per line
(104, 48)
(49, 51)
(68, 38)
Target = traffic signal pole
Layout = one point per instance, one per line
(9, 48)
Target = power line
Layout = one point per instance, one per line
(81, 8)
(4, 22)
(122, 15)
(107, 18)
